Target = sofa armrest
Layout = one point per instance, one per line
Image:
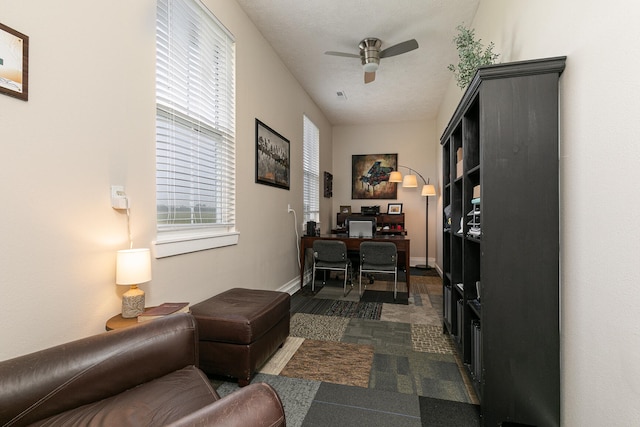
(51, 381)
(256, 405)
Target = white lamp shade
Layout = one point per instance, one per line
(395, 177)
(133, 266)
(428, 190)
(410, 181)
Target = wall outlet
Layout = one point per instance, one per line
(289, 208)
(119, 197)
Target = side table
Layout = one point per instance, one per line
(119, 322)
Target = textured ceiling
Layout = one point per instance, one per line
(407, 87)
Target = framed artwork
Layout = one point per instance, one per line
(394, 208)
(272, 157)
(14, 63)
(345, 209)
(370, 176)
(328, 185)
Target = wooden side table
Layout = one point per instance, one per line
(119, 322)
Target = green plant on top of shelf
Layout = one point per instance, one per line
(472, 55)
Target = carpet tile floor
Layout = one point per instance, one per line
(369, 361)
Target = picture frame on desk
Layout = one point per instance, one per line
(345, 209)
(394, 208)
(273, 165)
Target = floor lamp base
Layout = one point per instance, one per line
(423, 267)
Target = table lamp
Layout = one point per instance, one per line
(133, 267)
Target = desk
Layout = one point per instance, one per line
(353, 244)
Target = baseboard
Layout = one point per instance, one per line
(420, 261)
(439, 270)
(291, 287)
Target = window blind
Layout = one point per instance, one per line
(311, 171)
(195, 119)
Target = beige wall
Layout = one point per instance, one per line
(599, 158)
(416, 145)
(89, 123)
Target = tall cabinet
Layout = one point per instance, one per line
(501, 239)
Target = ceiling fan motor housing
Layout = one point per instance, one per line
(370, 54)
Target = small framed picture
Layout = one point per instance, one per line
(14, 63)
(345, 209)
(394, 208)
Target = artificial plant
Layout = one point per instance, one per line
(472, 55)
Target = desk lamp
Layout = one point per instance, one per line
(428, 190)
(133, 266)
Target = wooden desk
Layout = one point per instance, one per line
(353, 244)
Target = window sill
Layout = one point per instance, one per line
(171, 243)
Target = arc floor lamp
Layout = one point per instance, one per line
(428, 190)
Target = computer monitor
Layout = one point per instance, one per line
(361, 227)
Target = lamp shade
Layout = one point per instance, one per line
(133, 266)
(410, 181)
(395, 177)
(428, 190)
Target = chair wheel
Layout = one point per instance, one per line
(371, 281)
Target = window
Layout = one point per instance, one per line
(195, 129)
(311, 166)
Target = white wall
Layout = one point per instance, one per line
(416, 145)
(90, 123)
(599, 158)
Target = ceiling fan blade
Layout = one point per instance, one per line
(399, 48)
(369, 77)
(348, 55)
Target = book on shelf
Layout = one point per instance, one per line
(163, 310)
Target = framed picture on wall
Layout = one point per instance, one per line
(370, 176)
(272, 157)
(14, 63)
(328, 185)
(394, 208)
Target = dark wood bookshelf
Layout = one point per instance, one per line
(507, 127)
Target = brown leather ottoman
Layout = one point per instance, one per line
(240, 329)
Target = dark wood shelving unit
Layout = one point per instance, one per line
(394, 222)
(509, 339)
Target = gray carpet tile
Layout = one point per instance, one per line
(296, 394)
(339, 405)
(423, 374)
(336, 292)
(316, 327)
(446, 413)
(430, 339)
(382, 335)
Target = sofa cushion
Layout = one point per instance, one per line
(240, 316)
(155, 403)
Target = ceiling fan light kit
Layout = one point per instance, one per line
(370, 54)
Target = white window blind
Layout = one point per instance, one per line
(311, 166)
(195, 119)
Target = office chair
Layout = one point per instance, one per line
(379, 257)
(330, 255)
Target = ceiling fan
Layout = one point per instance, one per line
(370, 54)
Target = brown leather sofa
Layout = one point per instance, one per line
(144, 375)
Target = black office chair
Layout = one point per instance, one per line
(331, 255)
(379, 257)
